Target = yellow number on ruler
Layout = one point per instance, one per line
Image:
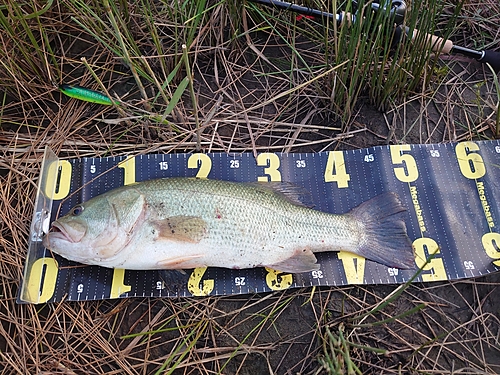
(491, 244)
(436, 264)
(335, 170)
(59, 171)
(354, 270)
(118, 286)
(195, 280)
(471, 164)
(128, 166)
(277, 280)
(408, 174)
(272, 163)
(43, 269)
(202, 161)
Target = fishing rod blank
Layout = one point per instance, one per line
(283, 5)
(398, 8)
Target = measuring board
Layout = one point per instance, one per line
(450, 190)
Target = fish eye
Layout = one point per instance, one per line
(76, 211)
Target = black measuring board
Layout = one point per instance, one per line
(450, 191)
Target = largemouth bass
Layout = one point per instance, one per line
(178, 223)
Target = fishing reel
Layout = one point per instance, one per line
(396, 10)
(393, 13)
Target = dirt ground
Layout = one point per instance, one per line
(455, 330)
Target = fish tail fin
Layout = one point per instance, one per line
(385, 240)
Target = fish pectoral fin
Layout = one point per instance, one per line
(188, 261)
(303, 260)
(181, 228)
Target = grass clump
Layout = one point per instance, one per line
(370, 59)
(378, 64)
(26, 52)
(336, 358)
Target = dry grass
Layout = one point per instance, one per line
(252, 94)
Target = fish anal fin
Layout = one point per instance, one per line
(302, 260)
(179, 263)
(181, 228)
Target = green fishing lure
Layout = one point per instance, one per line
(87, 95)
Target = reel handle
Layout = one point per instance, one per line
(436, 43)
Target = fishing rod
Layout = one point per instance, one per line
(397, 11)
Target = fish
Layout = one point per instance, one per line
(184, 223)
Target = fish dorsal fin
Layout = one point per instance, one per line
(289, 191)
(302, 260)
(127, 206)
(181, 228)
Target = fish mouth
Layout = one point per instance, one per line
(59, 231)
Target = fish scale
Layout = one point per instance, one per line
(265, 216)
